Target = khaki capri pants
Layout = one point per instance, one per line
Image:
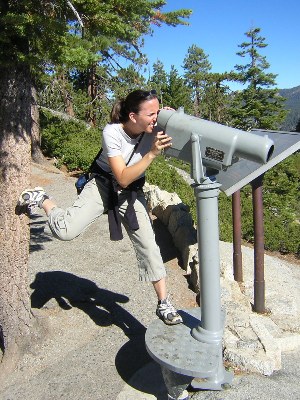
(91, 204)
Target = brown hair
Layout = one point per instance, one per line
(122, 108)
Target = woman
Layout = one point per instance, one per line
(130, 144)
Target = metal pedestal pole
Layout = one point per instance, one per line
(194, 348)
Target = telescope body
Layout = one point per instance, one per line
(220, 145)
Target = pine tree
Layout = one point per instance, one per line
(259, 105)
(178, 94)
(38, 36)
(197, 67)
(127, 79)
(98, 47)
(209, 93)
(159, 81)
(216, 99)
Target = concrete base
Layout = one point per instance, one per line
(176, 384)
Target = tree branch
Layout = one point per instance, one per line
(76, 13)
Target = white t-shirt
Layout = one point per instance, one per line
(115, 142)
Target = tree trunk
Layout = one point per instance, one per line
(36, 152)
(15, 130)
(92, 93)
(67, 98)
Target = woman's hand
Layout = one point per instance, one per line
(124, 174)
(161, 142)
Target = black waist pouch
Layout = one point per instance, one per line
(82, 181)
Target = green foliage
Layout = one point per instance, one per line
(282, 206)
(257, 108)
(161, 174)
(196, 66)
(41, 32)
(30, 31)
(209, 94)
(216, 99)
(177, 94)
(280, 196)
(281, 201)
(225, 218)
(159, 82)
(70, 142)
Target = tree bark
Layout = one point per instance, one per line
(36, 152)
(67, 99)
(92, 94)
(15, 155)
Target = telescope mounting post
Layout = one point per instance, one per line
(210, 328)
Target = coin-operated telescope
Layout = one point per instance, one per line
(193, 349)
(219, 146)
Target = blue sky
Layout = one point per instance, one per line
(219, 26)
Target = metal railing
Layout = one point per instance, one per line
(258, 222)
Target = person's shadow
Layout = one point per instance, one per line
(69, 291)
(102, 306)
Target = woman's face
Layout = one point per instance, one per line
(146, 118)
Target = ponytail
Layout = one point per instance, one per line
(115, 114)
(122, 108)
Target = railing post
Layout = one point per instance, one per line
(258, 222)
(237, 236)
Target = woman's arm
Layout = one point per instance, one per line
(126, 175)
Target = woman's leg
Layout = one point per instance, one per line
(150, 263)
(47, 206)
(151, 266)
(69, 223)
(160, 288)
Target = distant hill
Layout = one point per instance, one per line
(292, 103)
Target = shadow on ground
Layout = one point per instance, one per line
(37, 233)
(69, 291)
(102, 306)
